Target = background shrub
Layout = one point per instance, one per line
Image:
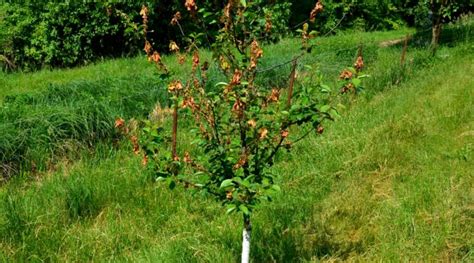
(35, 34)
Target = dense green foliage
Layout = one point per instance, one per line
(35, 34)
(375, 14)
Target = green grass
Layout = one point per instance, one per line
(129, 67)
(48, 115)
(41, 127)
(390, 181)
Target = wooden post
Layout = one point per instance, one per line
(292, 83)
(175, 131)
(359, 53)
(404, 51)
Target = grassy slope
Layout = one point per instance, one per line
(391, 180)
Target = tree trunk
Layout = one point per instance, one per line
(436, 34)
(246, 240)
(436, 9)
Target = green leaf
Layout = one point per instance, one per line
(325, 88)
(222, 84)
(356, 82)
(226, 183)
(341, 106)
(334, 113)
(325, 108)
(171, 184)
(244, 3)
(244, 209)
(160, 179)
(231, 208)
(276, 188)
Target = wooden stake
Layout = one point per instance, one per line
(359, 53)
(292, 83)
(175, 131)
(404, 51)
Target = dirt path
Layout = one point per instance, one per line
(390, 43)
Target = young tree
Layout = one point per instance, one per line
(437, 9)
(239, 126)
(445, 10)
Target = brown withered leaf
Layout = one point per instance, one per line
(119, 123)
(320, 129)
(195, 60)
(144, 12)
(145, 160)
(268, 24)
(175, 86)
(255, 49)
(252, 123)
(238, 108)
(187, 158)
(176, 18)
(181, 59)
(274, 96)
(205, 66)
(263, 132)
(136, 147)
(156, 57)
(148, 48)
(236, 77)
(191, 6)
(173, 47)
(359, 64)
(346, 74)
(242, 161)
(318, 8)
(189, 102)
(229, 195)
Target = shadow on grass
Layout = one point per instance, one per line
(296, 236)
